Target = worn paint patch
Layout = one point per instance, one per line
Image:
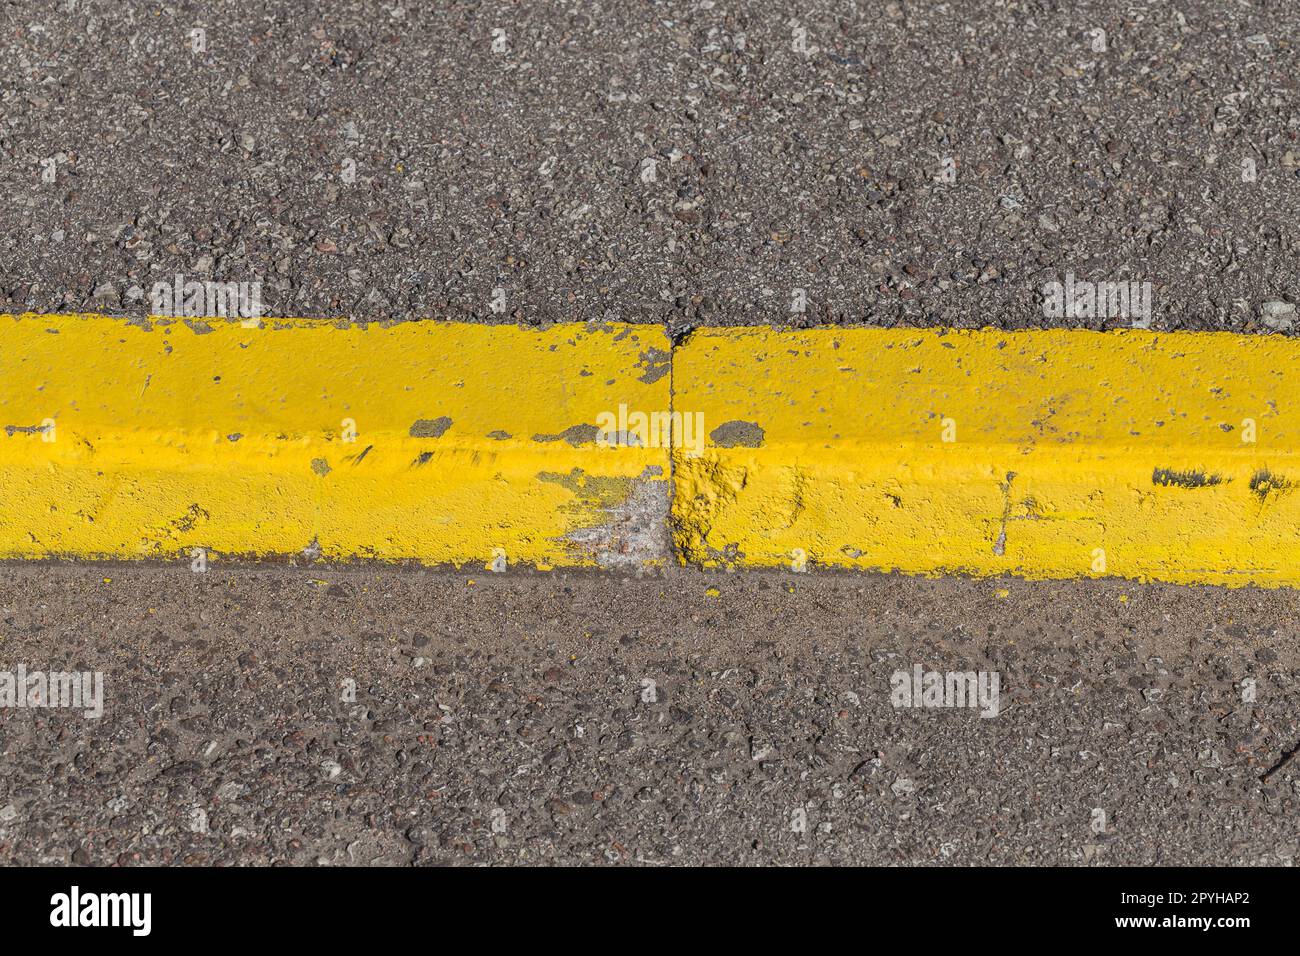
(575, 435)
(737, 434)
(656, 363)
(632, 526)
(1189, 478)
(1264, 483)
(12, 430)
(430, 427)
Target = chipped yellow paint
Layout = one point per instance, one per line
(472, 443)
(1046, 454)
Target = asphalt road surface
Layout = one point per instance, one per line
(602, 719)
(680, 162)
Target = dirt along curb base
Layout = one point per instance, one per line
(1045, 454)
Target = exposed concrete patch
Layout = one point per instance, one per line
(623, 439)
(12, 430)
(575, 435)
(193, 515)
(1000, 545)
(1190, 478)
(737, 434)
(430, 427)
(633, 529)
(191, 518)
(656, 362)
(1264, 482)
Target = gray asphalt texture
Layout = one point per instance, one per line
(777, 168)
(505, 719)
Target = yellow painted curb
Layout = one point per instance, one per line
(434, 442)
(1046, 454)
